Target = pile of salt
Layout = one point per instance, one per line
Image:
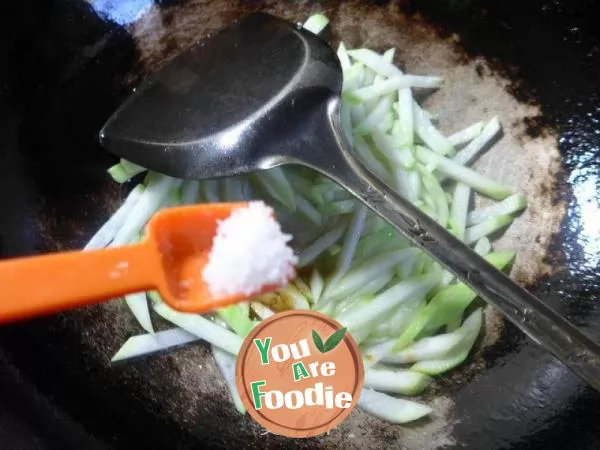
(249, 251)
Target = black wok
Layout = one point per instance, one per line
(65, 65)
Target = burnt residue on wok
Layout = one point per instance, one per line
(66, 66)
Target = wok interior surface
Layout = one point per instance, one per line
(67, 64)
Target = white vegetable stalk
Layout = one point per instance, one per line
(429, 134)
(148, 344)
(138, 304)
(467, 135)
(460, 209)
(124, 171)
(359, 276)
(478, 182)
(107, 232)
(313, 251)
(190, 192)
(483, 246)
(355, 229)
(151, 199)
(458, 354)
(437, 347)
(262, 311)
(511, 205)
(405, 382)
(226, 364)
(275, 182)
(470, 152)
(367, 93)
(490, 226)
(316, 23)
(385, 302)
(394, 410)
(317, 283)
(201, 327)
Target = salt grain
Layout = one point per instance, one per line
(249, 251)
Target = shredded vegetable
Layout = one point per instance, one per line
(405, 311)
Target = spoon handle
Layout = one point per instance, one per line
(527, 312)
(38, 285)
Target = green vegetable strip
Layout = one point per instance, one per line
(310, 253)
(107, 232)
(471, 329)
(467, 135)
(437, 347)
(236, 317)
(124, 171)
(483, 246)
(353, 234)
(399, 319)
(316, 23)
(131, 169)
(201, 327)
(316, 285)
(439, 198)
(465, 175)
(343, 57)
(406, 382)
(429, 133)
(147, 344)
(375, 62)
(155, 193)
(357, 115)
(231, 189)
(138, 304)
(304, 288)
(308, 211)
(298, 301)
(360, 275)
(275, 182)
(118, 174)
(470, 152)
(190, 192)
(338, 207)
(226, 364)
(210, 189)
(375, 118)
(353, 77)
(392, 409)
(376, 284)
(476, 232)
(446, 305)
(511, 205)
(385, 302)
(391, 84)
(459, 209)
(386, 238)
(262, 311)
(367, 158)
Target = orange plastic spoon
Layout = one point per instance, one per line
(170, 260)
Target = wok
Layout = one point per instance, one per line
(65, 65)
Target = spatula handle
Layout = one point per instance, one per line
(40, 285)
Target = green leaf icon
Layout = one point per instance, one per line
(318, 341)
(331, 342)
(334, 340)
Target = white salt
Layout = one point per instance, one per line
(249, 251)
